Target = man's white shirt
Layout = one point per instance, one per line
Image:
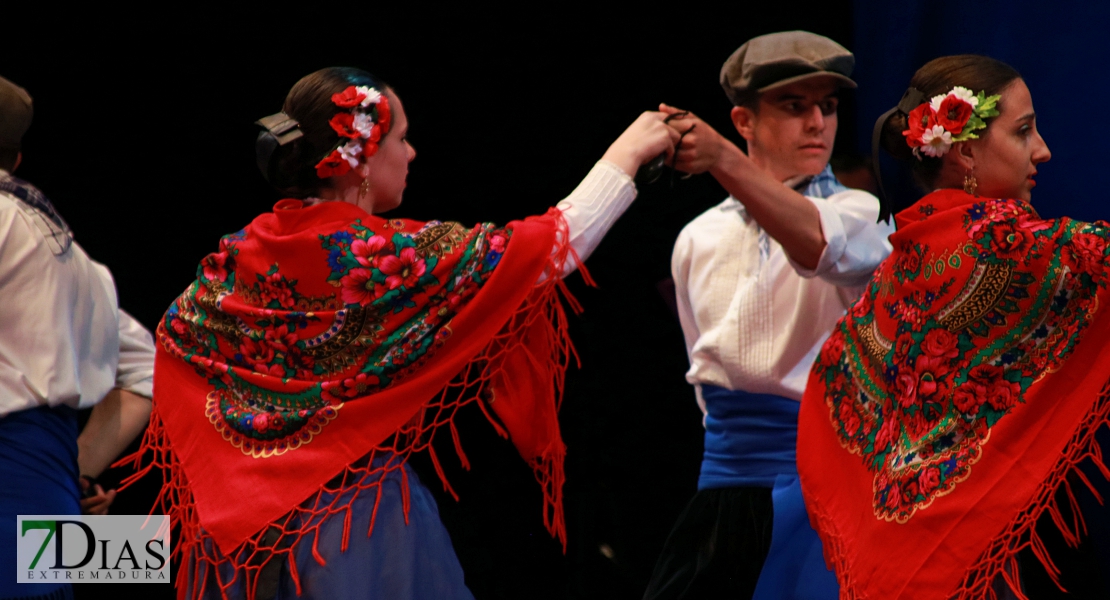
(753, 319)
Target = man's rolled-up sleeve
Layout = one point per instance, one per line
(855, 243)
(136, 357)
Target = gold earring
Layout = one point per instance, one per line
(363, 188)
(971, 184)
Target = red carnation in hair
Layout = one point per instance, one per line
(348, 97)
(344, 124)
(919, 120)
(369, 149)
(333, 165)
(384, 116)
(953, 114)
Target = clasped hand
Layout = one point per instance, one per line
(689, 144)
(700, 147)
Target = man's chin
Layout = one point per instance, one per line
(813, 165)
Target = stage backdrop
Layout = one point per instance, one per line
(1058, 47)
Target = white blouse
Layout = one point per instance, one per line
(592, 208)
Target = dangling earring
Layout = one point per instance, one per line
(364, 188)
(971, 184)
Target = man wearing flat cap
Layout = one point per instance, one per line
(63, 346)
(761, 280)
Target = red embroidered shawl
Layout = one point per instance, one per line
(949, 404)
(318, 336)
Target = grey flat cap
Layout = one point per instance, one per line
(15, 114)
(775, 59)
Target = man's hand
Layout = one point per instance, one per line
(783, 213)
(701, 146)
(98, 503)
(646, 138)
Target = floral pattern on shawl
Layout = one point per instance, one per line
(969, 325)
(282, 363)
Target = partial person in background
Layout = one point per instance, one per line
(61, 334)
(760, 281)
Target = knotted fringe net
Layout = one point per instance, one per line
(999, 562)
(1000, 558)
(201, 563)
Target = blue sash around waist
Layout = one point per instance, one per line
(38, 471)
(750, 439)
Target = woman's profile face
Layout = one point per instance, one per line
(1007, 155)
(389, 166)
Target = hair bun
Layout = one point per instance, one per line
(892, 139)
(280, 130)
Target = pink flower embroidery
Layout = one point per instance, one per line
(366, 251)
(213, 266)
(357, 288)
(405, 269)
(497, 242)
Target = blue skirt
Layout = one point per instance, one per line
(38, 468)
(413, 561)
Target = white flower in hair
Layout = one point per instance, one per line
(936, 141)
(960, 92)
(965, 94)
(935, 102)
(350, 152)
(373, 96)
(363, 124)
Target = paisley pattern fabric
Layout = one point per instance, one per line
(321, 338)
(282, 362)
(970, 322)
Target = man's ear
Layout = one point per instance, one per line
(743, 118)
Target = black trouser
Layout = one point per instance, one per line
(717, 547)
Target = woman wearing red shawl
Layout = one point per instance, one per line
(321, 346)
(964, 388)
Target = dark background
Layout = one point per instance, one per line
(143, 138)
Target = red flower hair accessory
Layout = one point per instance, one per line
(948, 118)
(365, 118)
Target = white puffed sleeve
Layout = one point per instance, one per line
(592, 208)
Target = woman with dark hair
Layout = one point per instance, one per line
(322, 345)
(964, 388)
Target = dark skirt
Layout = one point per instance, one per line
(399, 560)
